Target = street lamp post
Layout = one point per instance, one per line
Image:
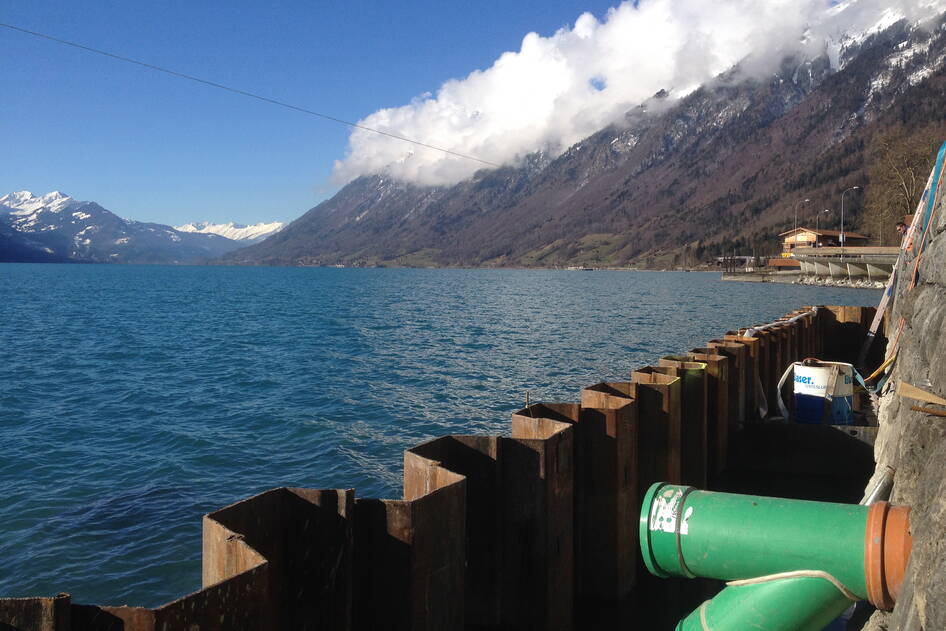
(853, 188)
(797, 204)
(818, 217)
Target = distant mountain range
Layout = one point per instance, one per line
(714, 171)
(678, 179)
(237, 232)
(55, 227)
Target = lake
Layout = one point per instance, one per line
(133, 399)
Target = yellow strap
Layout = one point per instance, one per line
(883, 366)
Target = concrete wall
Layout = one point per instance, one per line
(534, 530)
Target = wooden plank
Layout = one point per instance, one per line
(910, 391)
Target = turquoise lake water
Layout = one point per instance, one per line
(133, 399)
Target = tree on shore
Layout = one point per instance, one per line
(899, 162)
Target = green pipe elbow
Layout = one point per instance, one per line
(686, 532)
(797, 604)
(792, 565)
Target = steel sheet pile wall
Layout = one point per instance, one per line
(693, 414)
(410, 553)
(717, 407)
(36, 614)
(304, 535)
(493, 532)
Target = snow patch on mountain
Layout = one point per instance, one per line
(25, 202)
(235, 231)
(561, 88)
(85, 231)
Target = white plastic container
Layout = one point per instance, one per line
(811, 385)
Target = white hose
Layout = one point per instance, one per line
(751, 332)
(799, 574)
(761, 401)
(703, 616)
(781, 382)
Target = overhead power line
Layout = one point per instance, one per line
(252, 95)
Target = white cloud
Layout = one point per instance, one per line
(559, 89)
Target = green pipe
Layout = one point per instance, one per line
(686, 532)
(797, 604)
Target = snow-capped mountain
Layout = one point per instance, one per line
(55, 226)
(235, 231)
(714, 170)
(26, 202)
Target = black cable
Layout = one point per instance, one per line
(241, 92)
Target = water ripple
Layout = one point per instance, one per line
(134, 399)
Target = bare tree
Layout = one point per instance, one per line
(898, 164)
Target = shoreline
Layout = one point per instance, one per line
(798, 279)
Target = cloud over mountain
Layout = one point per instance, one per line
(559, 89)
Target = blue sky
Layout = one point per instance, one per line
(152, 147)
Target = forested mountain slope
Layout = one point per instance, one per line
(718, 170)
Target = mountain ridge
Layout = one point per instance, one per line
(235, 231)
(716, 170)
(57, 228)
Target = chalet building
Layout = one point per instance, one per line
(812, 238)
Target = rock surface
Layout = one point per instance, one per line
(914, 443)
